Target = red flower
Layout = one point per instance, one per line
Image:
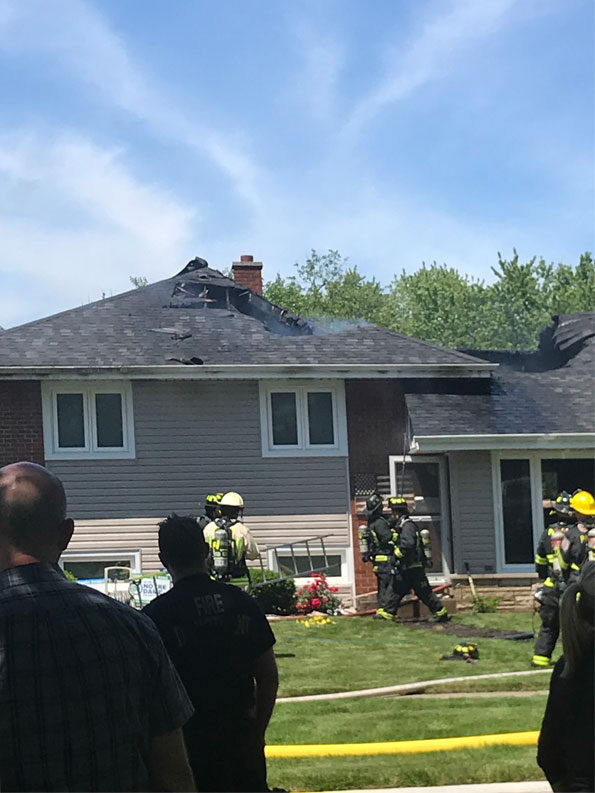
(334, 589)
(316, 602)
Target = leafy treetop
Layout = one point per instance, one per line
(439, 304)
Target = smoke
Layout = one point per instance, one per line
(324, 326)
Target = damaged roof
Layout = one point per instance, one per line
(542, 392)
(202, 318)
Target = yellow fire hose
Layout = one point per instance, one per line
(403, 747)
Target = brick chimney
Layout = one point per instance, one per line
(248, 273)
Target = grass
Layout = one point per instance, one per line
(493, 764)
(401, 719)
(359, 653)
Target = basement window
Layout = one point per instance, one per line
(87, 421)
(304, 419)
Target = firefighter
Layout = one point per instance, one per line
(242, 545)
(411, 558)
(580, 536)
(552, 566)
(382, 554)
(211, 509)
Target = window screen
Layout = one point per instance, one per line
(516, 511)
(108, 410)
(71, 421)
(284, 418)
(320, 418)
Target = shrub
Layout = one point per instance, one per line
(318, 596)
(70, 576)
(274, 597)
(480, 604)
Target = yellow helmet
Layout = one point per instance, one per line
(232, 499)
(583, 502)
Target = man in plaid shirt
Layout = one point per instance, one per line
(89, 700)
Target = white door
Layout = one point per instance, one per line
(422, 480)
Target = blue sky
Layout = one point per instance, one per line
(136, 135)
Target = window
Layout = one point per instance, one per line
(524, 483)
(517, 517)
(87, 420)
(88, 567)
(298, 565)
(304, 419)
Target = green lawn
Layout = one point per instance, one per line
(359, 653)
(402, 719)
(465, 766)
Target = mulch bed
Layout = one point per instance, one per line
(464, 631)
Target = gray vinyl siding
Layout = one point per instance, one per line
(196, 438)
(140, 534)
(472, 508)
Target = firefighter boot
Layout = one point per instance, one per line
(440, 616)
(541, 662)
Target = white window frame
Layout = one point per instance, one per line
(90, 451)
(395, 463)
(345, 579)
(135, 557)
(534, 458)
(303, 448)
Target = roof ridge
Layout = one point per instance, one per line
(426, 343)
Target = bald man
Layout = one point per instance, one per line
(89, 699)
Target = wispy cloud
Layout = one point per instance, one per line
(447, 30)
(320, 59)
(75, 220)
(74, 35)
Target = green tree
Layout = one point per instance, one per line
(439, 304)
(138, 281)
(325, 286)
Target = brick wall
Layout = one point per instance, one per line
(21, 428)
(376, 416)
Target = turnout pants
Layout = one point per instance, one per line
(550, 622)
(387, 597)
(415, 578)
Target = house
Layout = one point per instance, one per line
(144, 402)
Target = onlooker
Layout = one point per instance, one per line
(222, 646)
(566, 742)
(89, 700)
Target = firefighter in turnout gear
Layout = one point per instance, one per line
(230, 540)
(411, 557)
(381, 553)
(552, 565)
(582, 535)
(211, 509)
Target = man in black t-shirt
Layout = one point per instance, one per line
(222, 646)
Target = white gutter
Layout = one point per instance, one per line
(550, 440)
(246, 372)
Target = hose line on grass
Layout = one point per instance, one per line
(403, 747)
(407, 688)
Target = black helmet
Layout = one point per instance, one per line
(373, 505)
(562, 503)
(398, 504)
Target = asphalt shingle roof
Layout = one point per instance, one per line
(516, 400)
(172, 321)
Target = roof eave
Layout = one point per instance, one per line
(550, 440)
(247, 372)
